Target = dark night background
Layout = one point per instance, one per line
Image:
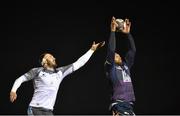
(67, 30)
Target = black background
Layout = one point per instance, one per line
(67, 30)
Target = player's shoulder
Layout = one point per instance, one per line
(64, 68)
(37, 69)
(60, 68)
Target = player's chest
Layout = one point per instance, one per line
(49, 78)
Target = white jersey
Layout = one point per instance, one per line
(46, 83)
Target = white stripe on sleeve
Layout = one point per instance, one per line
(82, 60)
(18, 83)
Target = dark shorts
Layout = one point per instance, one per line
(39, 111)
(122, 107)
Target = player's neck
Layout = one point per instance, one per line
(50, 68)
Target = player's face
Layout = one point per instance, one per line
(50, 61)
(117, 59)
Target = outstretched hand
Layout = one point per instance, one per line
(113, 24)
(96, 46)
(127, 26)
(13, 96)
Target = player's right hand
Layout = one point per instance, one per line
(13, 96)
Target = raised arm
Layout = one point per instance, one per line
(26, 77)
(129, 57)
(112, 43)
(81, 61)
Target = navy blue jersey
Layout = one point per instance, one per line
(119, 75)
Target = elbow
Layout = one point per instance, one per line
(133, 48)
(78, 64)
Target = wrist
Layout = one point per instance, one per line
(93, 49)
(113, 29)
